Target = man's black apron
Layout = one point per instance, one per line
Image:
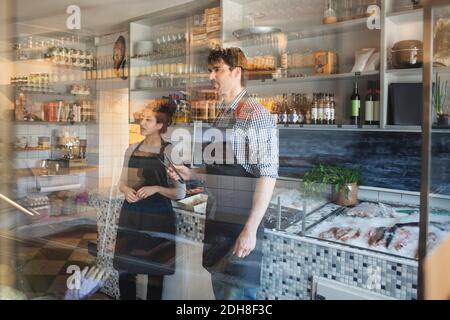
(230, 193)
(145, 241)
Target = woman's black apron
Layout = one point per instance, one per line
(230, 194)
(145, 241)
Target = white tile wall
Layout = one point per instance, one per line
(410, 199)
(368, 195)
(440, 203)
(390, 197)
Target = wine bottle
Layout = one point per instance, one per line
(332, 110)
(314, 110)
(376, 103)
(355, 104)
(368, 106)
(327, 110)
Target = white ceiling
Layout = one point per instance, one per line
(98, 17)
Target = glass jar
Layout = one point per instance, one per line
(329, 15)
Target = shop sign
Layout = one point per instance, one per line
(73, 22)
(374, 19)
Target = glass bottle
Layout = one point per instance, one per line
(276, 111)
(284, 108)
(368, 104)
(355, 105)
(327, 110)
(376, 103)
(293, 116)
(332, 110)
(314, 110)
(321, 110)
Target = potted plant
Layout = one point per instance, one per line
(344, 182)
(439, 100)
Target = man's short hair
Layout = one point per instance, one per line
(233, 57)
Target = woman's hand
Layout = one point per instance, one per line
(130, 195)
(146, 192)
(184, 171)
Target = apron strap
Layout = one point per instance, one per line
(238, 112)
(137, 148)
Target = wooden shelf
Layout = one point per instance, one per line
(39, 172)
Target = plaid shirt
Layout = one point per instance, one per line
(253, 133)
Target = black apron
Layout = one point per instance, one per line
(145, 241)
(230, 192)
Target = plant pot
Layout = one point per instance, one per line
(347, 197)
(443, 120)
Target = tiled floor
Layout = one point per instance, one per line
(42, 271)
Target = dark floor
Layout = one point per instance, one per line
(42, 266)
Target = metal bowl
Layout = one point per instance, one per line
(254, 31)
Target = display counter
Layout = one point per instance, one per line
(369, 250)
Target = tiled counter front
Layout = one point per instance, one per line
(190, 225)
(291, 262)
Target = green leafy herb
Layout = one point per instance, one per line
(321, 176)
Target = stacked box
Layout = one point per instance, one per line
(199, 37)
(213, 27)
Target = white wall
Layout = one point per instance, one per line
(108, 140)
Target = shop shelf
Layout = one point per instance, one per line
(313, 31)
(364, 128)
(150, 90)
(173, 76)
(407, 16)
(32, 149)
(332, 77)
(41, 61)
(414, 73)
(405, 72)
(39, 172)
(54, 122)
(65, 94)
(330, 29)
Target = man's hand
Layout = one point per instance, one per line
(130, 195)
(146, 192)
(184, 171)
(245, 243)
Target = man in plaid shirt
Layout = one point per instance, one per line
(233, 229)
